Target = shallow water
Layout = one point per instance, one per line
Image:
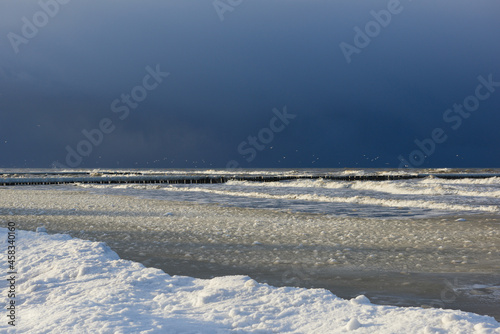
(433, 193)
(429, 197)
(439, 262)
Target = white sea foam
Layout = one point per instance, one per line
(435, 187)
(407, 197)
(419, 197)
(365, 200)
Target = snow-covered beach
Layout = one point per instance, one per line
(74, 286)
(431, 243)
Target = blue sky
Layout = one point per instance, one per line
(65, 63)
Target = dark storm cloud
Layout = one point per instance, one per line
(227, 76)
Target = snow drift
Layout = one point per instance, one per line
(68, 285)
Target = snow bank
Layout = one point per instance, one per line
(70, 285)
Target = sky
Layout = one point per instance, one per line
(254, 84)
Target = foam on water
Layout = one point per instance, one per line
(399, 198)
(279, 247)
(417, 197)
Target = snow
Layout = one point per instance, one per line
(291, 232)
(68, 285)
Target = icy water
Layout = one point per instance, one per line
(418, 197)
(428, 242)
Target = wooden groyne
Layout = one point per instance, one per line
(198, 179)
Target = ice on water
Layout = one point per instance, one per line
(292, 228)
(400, 198)
(307, 222)
(77, 286)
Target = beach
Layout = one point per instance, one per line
(447, 261)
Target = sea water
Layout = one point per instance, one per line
(423, 241)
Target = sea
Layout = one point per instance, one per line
(405, 237)
(382, 193)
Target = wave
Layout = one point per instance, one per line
(360, 200)
(428, 186)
